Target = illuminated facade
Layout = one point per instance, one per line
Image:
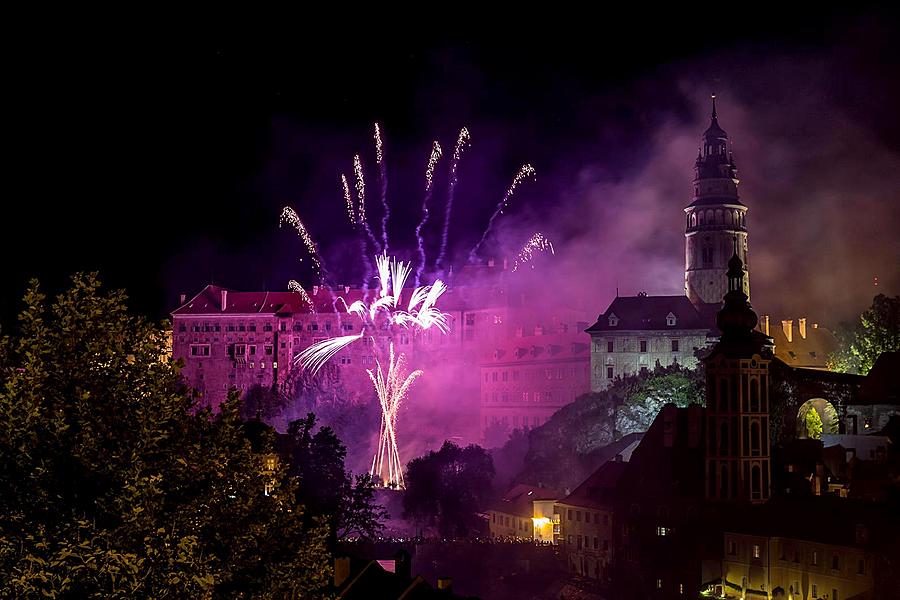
(638, 332)
(716, 219)
(525, 512)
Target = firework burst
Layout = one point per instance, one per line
(525, 171)
(382, 172)
(462, 142)
(429, 187)
(290, 216)
(348, 200)
(295, 286)
(536, 244)
(391, 388)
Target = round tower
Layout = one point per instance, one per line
(714, 219)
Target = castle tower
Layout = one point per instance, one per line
(713, 219)
(738, 455)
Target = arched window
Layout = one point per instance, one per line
(701, 218)
(719, 216)
(723, 482)
(723, 438)
(709, 217)
(754, 438)
(754, 395)
(728, 217)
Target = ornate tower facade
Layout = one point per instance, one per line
(714, 219)
(738, 455)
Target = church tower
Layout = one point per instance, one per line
(738, 429)
(715, 218)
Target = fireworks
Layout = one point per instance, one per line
(290, 215)
(294, 286)
(348, 200)
(361, 196)
(535, 244)
(524, 172)
(462, 142)
(391, 388)
(429, 186)
(382, 172)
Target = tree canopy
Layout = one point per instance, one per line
(111, 487)
(449, 488)
(861, 343)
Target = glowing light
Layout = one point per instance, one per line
(360, 188)
(290, 216)
(525, 171)
(429, 186)
(537, 243)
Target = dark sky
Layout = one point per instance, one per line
(162, 158)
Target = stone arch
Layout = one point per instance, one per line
(826, 412)
(693, 219)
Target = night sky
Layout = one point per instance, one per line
(163, 158)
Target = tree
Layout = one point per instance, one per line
(110, 486)
(813, 424)
(262, 403)
(449, 488)
(876, 331)
(326, 488)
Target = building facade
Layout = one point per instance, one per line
(636, 333)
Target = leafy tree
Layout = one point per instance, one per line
(111, 487)
(449, 488)
(813, 424)
(262, 403)
(496, 434)
(325, 486)
(861, 343)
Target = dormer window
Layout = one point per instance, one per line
(671, 320)
(613, 320)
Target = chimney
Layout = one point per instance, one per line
(788, 327)
(445, 584)
(490, 262)
(183, 299)
(315, 290)
(802, 324)
(224, 299)
(341, 570)
(764, 322)
(346, 289)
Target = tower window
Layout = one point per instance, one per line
(643, 345)
(609, 372)
(674, 345)
(609, 346)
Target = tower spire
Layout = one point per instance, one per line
(713, 107)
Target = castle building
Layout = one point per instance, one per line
(714, 219)
(636, 333)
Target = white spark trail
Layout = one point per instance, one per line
(525, 170)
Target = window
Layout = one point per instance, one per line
(755, 550)
(674, 345)
(643, 345)
(252, 350)
(609, 372)
(266, 327)
(346, 360)
(470, 319)
(643, 369)
(578, 515)
(494, 376)
(613, 320)
(580, 540)
(505, 376)
(732, 548)
(814, 561)
(515, 375)
(605, 519)
(269, 350)
(199, 349)
(834, 594)
(659, 584)
(662, 531)
(835, 562)
(587, 517)
(609, 346)
(240, 350)
(815, 591)
(596, 543)
(252, 327)
(347, 326)
(861, 567)
(569, 514)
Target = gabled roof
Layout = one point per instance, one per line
(209, 302)
(554, 346)
(644, 312)
(594, 490)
